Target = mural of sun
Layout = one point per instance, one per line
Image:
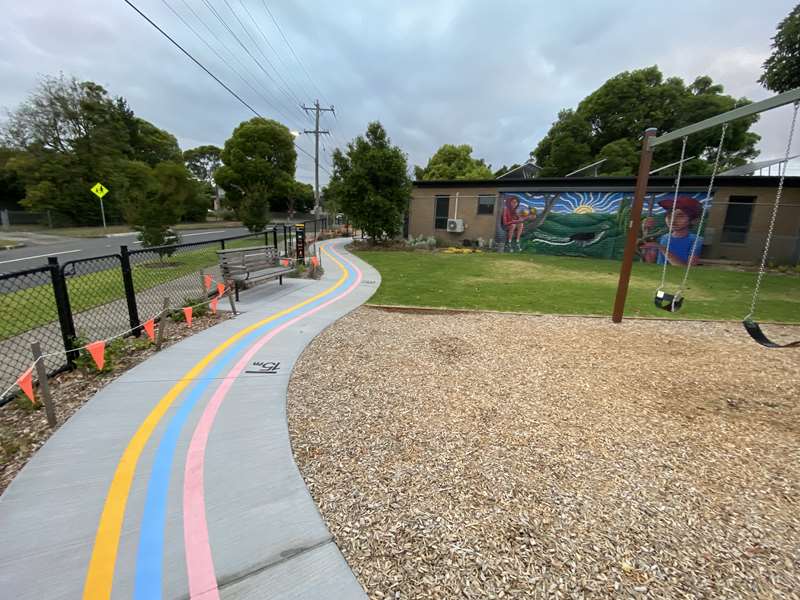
(591, 202)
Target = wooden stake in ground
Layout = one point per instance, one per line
(44, 386)
(162, 324)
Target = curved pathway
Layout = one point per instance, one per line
(177, 480)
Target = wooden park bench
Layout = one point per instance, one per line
(241, 265)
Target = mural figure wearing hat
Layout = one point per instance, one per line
(687, 210)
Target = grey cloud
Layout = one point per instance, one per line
(491, 74)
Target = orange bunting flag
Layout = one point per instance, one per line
(213, 305)
(25, 383)
(284, 262)
(187, 312)
(98, 351)
(220, 288)
(314, 261)
(150, 329)
(207, 279)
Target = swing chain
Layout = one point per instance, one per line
(773, 218)
(705, 209)
(672, 214)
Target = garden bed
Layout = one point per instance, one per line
(23, 426)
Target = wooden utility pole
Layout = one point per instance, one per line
(634, 226)
(317, 132)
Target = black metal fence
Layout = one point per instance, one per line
(64, 305)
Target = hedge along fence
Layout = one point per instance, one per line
(97, 297)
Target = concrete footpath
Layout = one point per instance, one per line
(177, 480)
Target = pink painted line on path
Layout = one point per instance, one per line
(199, 561)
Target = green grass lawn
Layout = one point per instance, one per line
(567, 285)
(35, 306)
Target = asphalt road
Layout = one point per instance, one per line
(66, 249)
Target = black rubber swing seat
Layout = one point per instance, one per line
(754, 329)
(668, 302)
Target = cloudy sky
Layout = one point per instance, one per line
(492, 74)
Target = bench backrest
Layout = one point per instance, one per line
(248, 259)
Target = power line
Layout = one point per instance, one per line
(193, 59)
(239, 41)
(278, 109)
(283, 90)
(291, 49)
(300, 62)
(214, 50)
(209, 73)
(274, 51)
(292, 72)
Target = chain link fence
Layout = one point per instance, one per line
(96, 292)
(30, 313)
(63, 306)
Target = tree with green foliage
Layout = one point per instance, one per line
(254, 206)
(454, 162)
(12, 188)
(199, 201)
(611, 120)
(621, 157)
(258, 160)
(153, 145)
(157, 199)
(370, 183)
(146, 142)
(782, 68)
(504, 169)
(69, 135)
(301, 198)
(202, 162)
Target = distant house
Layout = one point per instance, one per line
(529, 170)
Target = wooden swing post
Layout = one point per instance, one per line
(634, 225)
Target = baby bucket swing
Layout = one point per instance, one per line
(674, 302)
(749, 322)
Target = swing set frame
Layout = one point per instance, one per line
(650, 141)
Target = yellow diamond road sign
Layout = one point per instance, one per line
(99, 190)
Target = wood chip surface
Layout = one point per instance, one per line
(507, 456)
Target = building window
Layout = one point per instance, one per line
(737, 219)
(442, 212)
(486, 205)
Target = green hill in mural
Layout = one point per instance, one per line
(590, 234)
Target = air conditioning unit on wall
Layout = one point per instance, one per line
(455, 225)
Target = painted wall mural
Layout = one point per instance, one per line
(593, 224)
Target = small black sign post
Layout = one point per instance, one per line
(301, 243)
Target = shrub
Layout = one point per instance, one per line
(198, 310)
(114, 350)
